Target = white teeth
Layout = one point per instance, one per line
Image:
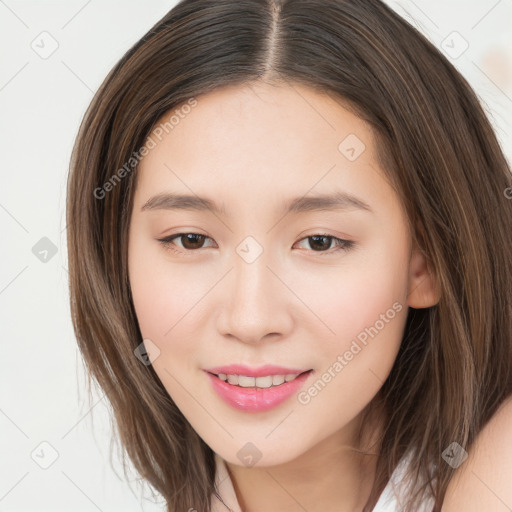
(259, 382)
(233, 379)
(277, 379)
(246, 382)
(263, 382)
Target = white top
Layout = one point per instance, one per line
(389, 500)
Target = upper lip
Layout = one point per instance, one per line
(261, 371)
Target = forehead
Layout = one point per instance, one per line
(262, 140)
(286, 120)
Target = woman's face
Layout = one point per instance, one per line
(258, 283)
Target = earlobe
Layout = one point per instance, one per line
(423, 290)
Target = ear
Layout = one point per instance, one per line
(423, 289)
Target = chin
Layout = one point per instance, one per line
(259, 454)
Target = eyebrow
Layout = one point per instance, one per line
(334, 201)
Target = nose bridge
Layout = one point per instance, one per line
(252, 282)
(257, 303)
(252, 279)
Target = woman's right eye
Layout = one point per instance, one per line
(192, 241)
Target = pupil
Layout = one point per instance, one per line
(321, 237)
(190, 238)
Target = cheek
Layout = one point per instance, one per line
(151, 293)
(367, 312)
(351, 301)
(157, 298)
(355, 362)
(168, 303)
(161, 310)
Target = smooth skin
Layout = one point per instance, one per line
(300, 303)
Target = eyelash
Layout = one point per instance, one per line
(343, 245)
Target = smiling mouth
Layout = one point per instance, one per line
(263, 382)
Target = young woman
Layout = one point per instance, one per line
(289, 235)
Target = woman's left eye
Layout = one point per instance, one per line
(322, 240)
(194, 241)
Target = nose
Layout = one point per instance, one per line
(256, 302)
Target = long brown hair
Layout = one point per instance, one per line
(454, 367)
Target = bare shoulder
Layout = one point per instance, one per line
(484, 480)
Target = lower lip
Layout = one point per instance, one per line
(256, 399)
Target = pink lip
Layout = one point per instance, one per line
(257, 399)
(262, 371)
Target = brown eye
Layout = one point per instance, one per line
(321, 243)
(192, 240)
(189, 241)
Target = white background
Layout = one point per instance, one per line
(42, 100)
